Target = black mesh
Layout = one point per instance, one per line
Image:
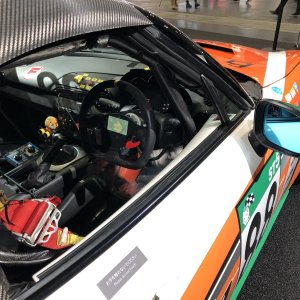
(4, 286)
(29, 24)
(26, 256)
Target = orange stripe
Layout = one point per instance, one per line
(233, 276)
(208, 270)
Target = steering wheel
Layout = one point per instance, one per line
(122, 136)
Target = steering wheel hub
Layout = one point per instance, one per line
(108, 133)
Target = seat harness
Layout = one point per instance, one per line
(35, 222)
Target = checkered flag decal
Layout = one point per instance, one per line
(250, 199)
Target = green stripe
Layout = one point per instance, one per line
(258, 188)
(258, 248)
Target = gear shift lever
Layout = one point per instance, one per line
(49, 157)
(41, 175)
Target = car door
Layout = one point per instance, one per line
(212, 206)
(192, 231)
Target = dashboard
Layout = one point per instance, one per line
(61, 84)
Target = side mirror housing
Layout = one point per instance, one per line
(277, 126)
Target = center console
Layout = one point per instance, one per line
(22, 154)
(18, 164)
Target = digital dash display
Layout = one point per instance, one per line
(117, 125)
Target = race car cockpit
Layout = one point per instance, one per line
(94, 140)
(81, 135)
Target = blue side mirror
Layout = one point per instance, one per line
(277, 126)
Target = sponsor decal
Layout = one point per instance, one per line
(288, 97)
(86, 82)
(120, 274)
(295, 86)
(277, 90)
(292, 93)
(33, 72)
(246, 212)
(254, 212)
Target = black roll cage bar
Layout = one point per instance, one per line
(157, 50)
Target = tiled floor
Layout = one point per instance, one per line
(241, 18)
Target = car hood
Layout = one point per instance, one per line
(245, 60)
(26, 25)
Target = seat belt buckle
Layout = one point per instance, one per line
(46, 226)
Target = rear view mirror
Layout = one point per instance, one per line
(277, 126)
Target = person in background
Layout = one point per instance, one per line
(276, 11)
(188, 5)
(174, 4)
(296, 13)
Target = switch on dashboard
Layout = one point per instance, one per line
(30, 149)
(18, 157)
(22, 154)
